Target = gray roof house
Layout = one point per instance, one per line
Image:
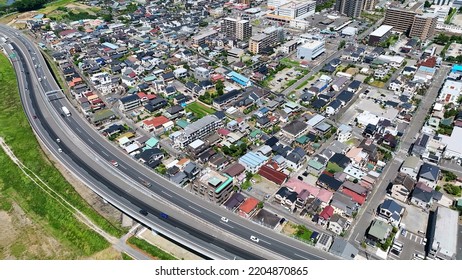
(343, 249)
(429, 174)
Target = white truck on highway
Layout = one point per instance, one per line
(66, 111)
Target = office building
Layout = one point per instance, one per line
(311, 49)
(401, 19)
(293, 10)
(350, 8)
(236, 28)
(198, 130)
(273, 4)
(369, 5)
(423, 26)
(380, 35)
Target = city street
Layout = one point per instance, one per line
(366, 214)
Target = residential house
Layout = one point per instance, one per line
(344, 249)
(379, 231)
(174, 112)
(253, 161)
(391, 212)
(328, 182)
(286, 197)
(272, 174)
(324, 242)
(343, 204)
(333, 107)
(402, 187)
(316, 165)
(411, 167)
(424, 196)
(429, 174)
(338, 224)
(325, 215)
(248, 207)
(234, 201)
(129, 102)
(295, 129)
(344, 133)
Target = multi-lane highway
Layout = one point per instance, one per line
(191, 220)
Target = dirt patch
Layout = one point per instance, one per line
(20, 238)
(108, 254)
(289, 229)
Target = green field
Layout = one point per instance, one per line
(150, 249)
(199, 110)
(55, 217)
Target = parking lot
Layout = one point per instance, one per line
(283, 77)
(261, 188)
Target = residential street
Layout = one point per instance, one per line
(366, 214)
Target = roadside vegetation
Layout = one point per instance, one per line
(55, 217)
(150, 249)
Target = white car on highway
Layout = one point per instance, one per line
(224, 219)
(254, 239)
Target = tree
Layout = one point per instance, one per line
(452, 189)
(427, 4)
(203, 23)
(219, 86)
(260, 205)
(341, 45)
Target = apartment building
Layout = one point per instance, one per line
(401, 19)
(268, 38)
(200, 39)
(369, 5)
(198, 130)
(350, 8)
(236, 28)
(213, 186)
(423, 26)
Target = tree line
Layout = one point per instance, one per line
(24, 6)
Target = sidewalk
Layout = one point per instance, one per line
(167, 246)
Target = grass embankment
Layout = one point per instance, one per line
(54, 5)
(199, 110)
(53, 216)
(150, 249)
(126, 257)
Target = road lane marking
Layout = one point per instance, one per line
(89, 140)
(194, 209)
(300, 256)
(78, 129)
(123, 167)
(226, 224)
(104, 153)
(166, 194)
(265, 242)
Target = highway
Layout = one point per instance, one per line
(191, 221)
